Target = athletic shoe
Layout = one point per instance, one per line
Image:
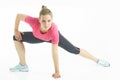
(103, 63)
(19, 68)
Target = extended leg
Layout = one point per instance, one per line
(65, 44)
(87, 55)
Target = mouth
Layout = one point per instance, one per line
(45, 27)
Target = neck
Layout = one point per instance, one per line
(43, 30)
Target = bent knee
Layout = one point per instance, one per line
(82, 51)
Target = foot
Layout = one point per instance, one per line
(19, 68)
(103, 63)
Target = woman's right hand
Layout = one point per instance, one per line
(18, 36)
(56, 75)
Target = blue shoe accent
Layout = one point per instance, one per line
(103, 63)
(19, 68)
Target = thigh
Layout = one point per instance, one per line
(29, 38)
(65, 44)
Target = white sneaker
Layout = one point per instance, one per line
(103, 63)
(19, 68)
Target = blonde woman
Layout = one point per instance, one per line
(45, 30)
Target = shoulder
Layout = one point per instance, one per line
(54, 26)
(54, 29)
(55, 33)
(31, 19)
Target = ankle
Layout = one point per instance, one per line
(22, 64)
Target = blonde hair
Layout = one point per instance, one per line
(45, 11)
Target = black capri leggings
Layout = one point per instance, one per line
(63, 43)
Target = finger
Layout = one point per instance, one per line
(56, 76)
(20, 36)
(16, 37)
(53, 75)
(22, 33)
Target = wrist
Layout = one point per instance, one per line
(15, 29)
(57, 72)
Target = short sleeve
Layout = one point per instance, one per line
(31, 21)
(55, 34)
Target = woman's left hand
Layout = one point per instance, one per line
(56, 75)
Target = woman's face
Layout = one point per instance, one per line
(46, 21)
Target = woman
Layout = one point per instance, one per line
(44, 30)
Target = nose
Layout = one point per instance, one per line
(46, 24)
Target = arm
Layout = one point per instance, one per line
(19, 17)
(55, 59)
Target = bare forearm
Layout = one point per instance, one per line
(55, 58)
(17, 21)
(19, 17)
(56, 64)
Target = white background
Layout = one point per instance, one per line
(89, 24)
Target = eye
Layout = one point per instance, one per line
(49, 20)
(43, 20)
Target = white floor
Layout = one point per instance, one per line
(72, 67)
(89, 24)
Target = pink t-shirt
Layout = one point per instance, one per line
(52, 33)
